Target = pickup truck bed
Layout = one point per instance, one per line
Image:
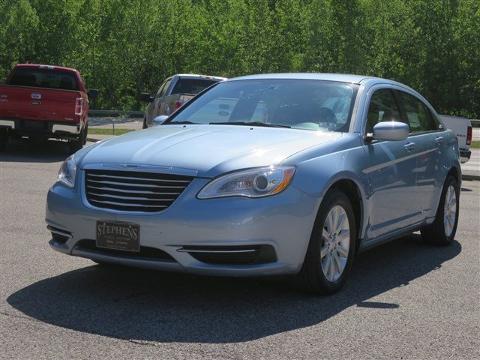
(462, 127)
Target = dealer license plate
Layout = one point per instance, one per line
(118, 236)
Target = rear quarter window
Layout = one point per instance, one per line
(45, 78)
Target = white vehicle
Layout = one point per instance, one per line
(462, 127)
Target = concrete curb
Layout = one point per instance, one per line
(471, 177)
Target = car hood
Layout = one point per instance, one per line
(203, 150)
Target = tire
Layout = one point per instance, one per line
(3, 139)
(321, 272)
(85, 134)
(78, 143)
(144, 126)
(442, 230)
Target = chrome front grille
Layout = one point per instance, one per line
(132, 190)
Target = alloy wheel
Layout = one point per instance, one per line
(450, 210)
(335, 243)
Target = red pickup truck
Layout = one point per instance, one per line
(42, 102)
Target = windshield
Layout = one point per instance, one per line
(300, 104)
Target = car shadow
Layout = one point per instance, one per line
(148, 306)
(24, 150)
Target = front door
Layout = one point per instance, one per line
(390, 171)
(427, 134)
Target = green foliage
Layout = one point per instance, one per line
(126, 47)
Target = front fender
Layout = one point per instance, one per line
(318, 175)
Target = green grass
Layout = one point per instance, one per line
(108, 131)
(475, 144)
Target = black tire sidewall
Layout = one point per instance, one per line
(84, 135)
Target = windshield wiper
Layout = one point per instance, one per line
(186, 122)
(249, 123)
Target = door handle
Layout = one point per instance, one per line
(439, 139)
(409, 146)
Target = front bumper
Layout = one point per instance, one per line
(282, 222)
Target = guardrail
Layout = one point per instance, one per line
(116, 113)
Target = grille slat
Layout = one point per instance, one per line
(133, 191)
(131, 196)
(135, 184)
(107, 189)
(126, 197)
(126, 178)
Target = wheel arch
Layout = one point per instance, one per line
(455, 172)
(350, 188)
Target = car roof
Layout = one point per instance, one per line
(345, 78)
(349, 78)
(196, 76)
(43, 66)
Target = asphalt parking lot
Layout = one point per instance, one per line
(405, 299)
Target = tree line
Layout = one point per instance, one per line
(123, 47)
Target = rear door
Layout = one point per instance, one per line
(430, 141)
(159, 102)
(390, 171)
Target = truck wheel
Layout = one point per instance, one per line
(443, 229)
(78, 143)
(3, 139)
(85, 134)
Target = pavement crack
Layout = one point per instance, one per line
(143, 343)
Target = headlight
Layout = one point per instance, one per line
(251, 183)
(67, 172)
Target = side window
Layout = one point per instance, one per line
(159, 92)
(165, 88)
(382, 108)
(419, 116)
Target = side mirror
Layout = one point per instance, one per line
(145, 97)
(159, 120)
(92, 93)
(391, 130)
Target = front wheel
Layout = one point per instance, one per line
(442, 230)
(331, 250)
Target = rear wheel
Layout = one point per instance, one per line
(85, 134)
(3, 139)
(442, 230)
(332, 245)
(81, 140)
